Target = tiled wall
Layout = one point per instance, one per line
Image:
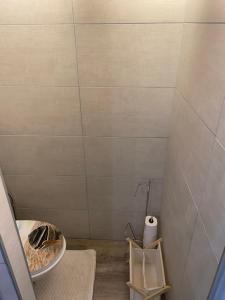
(193, 207)
(86, 89)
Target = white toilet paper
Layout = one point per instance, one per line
(150, 230)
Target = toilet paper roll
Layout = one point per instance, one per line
(150, 230)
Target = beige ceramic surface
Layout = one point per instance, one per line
(193, 204)
(72, 72)
(104, 50)
(125, 11)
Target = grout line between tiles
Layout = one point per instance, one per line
(197, 206)
(205, 23)
(222, 108)
(118, 23)
(130, 23)
(128, 86)
(219, 143)
(43, 175)
(76, 210)
(84, 136)
(81, 121)
(49, 208)
(189, 249)
(195, 112)
(121, 176)
(208, 239)
(94, 23)
(86, 87)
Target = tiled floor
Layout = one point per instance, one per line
(112, 271)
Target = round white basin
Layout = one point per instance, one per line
(40, 261)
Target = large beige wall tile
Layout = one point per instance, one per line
(58, 192)
(156, 195)
(178, 216)
(72, 223)
(134, 112)
(205, 11)
(111, 224)
(212, 206)
(186, 292)
(201, 76)
(124, 156)
(27, 155)
(117, 193)
(125, 11)
(39, 110)
(121, 55)
(199, 177)
(181, 206)
(35, 11)
(192, 143)
(39, 54)
(201, 265)
(174, 266)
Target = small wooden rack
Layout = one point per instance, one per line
(147, 275)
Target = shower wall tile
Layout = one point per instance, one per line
(156, 194)
(180, 203)
(196, 147)
(72, 223)
(178, 218)
(112, 224)
(29, 155)
(201, 76)
(124, 120)
(38, 55)
(36, 12)
(192, 143)
(212, 207)
(58, 192)
(201, 263)
(205, 11)
(134, 112)
(120, 193)
(174, 266)
(115, 193)
(125, 11)
(128, 55)
(187, 293)
(126, 156)
(39, 110)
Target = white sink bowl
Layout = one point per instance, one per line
(44, 271)
(24, 228)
